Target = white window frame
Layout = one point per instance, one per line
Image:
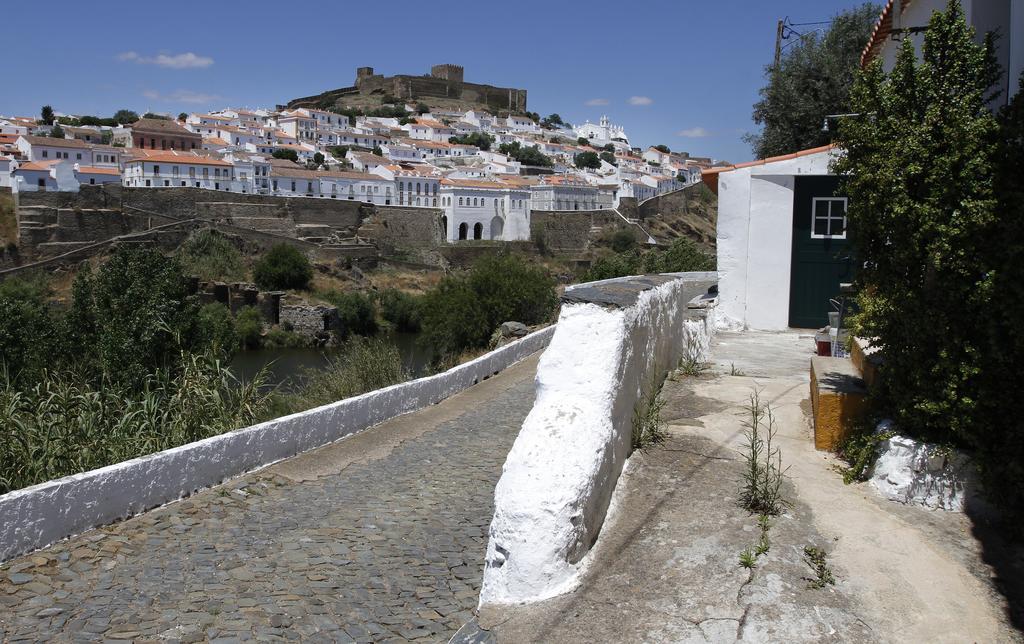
(830, 218)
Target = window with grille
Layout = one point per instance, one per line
(828, 218)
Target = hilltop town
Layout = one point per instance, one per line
(381, 142)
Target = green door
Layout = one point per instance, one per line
(821, 255)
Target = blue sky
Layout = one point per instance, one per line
(678, 72)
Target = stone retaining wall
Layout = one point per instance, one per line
(615, 341)
(37, 516)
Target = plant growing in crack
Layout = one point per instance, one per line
(816, 559)
(692, 362)
(748, 559)
(764, 544)
(763, 474)
(648, 429)
(733, 371)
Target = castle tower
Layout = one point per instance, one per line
(448, 72)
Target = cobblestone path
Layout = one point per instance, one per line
(378, 538)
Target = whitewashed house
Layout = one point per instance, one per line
(160, 169)
(416, 184)
(484, 210)
(782, 240)
(563, 192)
(44, 148)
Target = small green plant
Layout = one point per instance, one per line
(816, 559)
(764, 474)
(748, 559)
(733, 371)
(648, 430)
(860, 450)
(691, 363)
(764, 544)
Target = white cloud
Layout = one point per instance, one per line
(182, 96)
(640, 100)
(597, 101)
(188, 60)
(694, 132)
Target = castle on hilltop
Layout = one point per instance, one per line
(443, 81)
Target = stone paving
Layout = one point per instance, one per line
(388, 548)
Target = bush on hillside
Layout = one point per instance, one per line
(682, 256)
(216, 328)
(249, 328)
(400, 309)
(209, 255)
(283, 267)
(465, 309)
(356, 310)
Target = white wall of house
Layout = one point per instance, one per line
(501, 213)
(755, 239)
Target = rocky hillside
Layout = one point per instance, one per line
(691, 212)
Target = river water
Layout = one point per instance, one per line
(286, 366)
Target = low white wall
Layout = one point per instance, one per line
(42, 514)
(556, 485)
(916, 473)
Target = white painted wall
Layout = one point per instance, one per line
(42, 514)
(556, 485)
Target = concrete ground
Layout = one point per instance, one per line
(666, 565)
(379, 537)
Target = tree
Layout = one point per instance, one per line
(283, 267)
(57, 132)
(46, 115)
(585, 160)
(920, 170)
(356, 311)
(662, 148)
(608, 147)
(813, 80)
(609, 157)
(286, 153)
(527, 156)
(338, 151)
(376, 150)
(154, 115)
(182, 116)
(125, 117)
(552, 121)
(318, 159)
(582, 141)
(422, 108)
(478, 139)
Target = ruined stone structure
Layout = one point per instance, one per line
(444, 81)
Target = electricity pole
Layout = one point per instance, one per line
(778, 44)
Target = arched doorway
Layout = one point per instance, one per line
(463, 229)
(478, 230)
(497, 227)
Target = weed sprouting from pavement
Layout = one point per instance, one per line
(648, 429)
(748, 559)
(816, 559)
(763, 474)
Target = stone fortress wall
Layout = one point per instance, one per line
(444, 81)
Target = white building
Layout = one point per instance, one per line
(781, 241)
(563, 192)
(484, 210)
(601, 133)
(905, 18)
(44, 148)
(160, 169)
(416, 184)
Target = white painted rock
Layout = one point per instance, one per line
(916, 473)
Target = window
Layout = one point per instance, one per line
(460, 201)
(45, 154)
(156, 169)
(828, 220)
(78, 155)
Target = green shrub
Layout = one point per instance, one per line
(465, 309)
(356, 310)
(683, 256)
(400, 309)
(211, 256)
(283, 267)
(249, 328)
(284, 339)
(622, 240)
(216, 328)
(29, 334)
